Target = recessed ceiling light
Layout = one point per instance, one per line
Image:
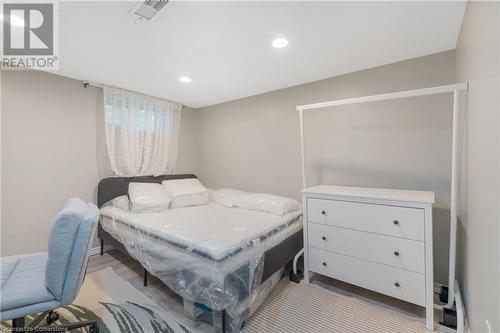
(280, 43)
(185, 79)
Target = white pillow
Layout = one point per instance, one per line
(121, 202)
(263, 202)
(268, 203)
(226, 197)
(147, 197)
(186, 192)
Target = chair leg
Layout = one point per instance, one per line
(52, 317)
(18, 322)
(40, 317)
(224, 319)
(92, 324)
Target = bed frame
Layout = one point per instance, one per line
(275, 258)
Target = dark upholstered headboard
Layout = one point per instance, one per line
(110, 188)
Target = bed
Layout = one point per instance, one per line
(212, 255)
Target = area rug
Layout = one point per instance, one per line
(297, 308)
(290, 308)
(117, 306)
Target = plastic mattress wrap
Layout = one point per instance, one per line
(210, 254)
(200, 312)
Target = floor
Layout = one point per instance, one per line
(131, 271)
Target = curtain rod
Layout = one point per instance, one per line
(86, 84)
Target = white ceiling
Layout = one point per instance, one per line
(225, 47)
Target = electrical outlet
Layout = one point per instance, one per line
(488, 325)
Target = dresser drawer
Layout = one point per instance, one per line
(395, 282)
(398, 252)
(388, 220)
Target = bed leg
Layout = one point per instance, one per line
(224, 318)
(145, 278)
(102, 247)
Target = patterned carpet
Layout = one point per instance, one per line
(296, 308)
(291, 308)
(117, 306)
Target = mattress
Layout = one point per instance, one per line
(212, 231)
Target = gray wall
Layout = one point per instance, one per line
(49, 153)
(186, 156)
(478, 62)
(253, 143)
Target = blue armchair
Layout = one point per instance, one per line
(43, 282)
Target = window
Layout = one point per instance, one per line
(141, 133)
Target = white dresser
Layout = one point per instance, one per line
(377, 239)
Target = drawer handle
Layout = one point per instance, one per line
(323, 238)
(324, 264)
(323, 212)
(397, 284)
(396, 222)
(396, 253)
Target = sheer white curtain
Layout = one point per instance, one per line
(141, 133)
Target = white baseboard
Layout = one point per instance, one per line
(437, 287)
(95, 250)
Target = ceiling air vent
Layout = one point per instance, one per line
(148, 9)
